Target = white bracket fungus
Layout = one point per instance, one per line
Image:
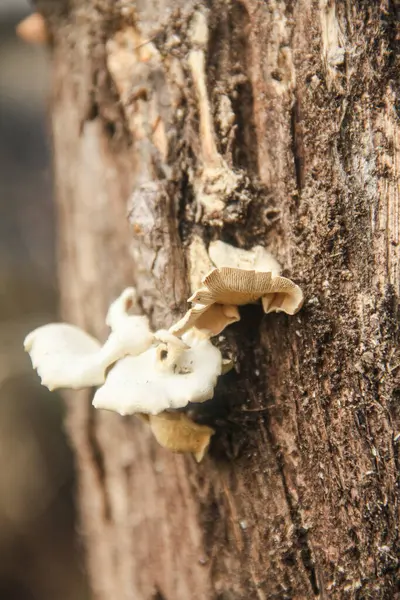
(166, 376)
(66, 356)
(149, 374)
(137, 371)
(130, 334)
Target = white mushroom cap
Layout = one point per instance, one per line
(65, 356)
(142, 384)
(119, 309)
(130, 334)
(175, 431)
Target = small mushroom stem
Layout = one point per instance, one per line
(211, 158)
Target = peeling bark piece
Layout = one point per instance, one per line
(178, 433)
(215, 181)
(144, 384)
(65, 356)
(157, 251)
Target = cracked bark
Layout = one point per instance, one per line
(298, 498)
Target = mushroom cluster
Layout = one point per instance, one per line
(153, 375)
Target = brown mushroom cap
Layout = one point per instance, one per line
(229, 285)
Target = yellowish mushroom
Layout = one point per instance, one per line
(175, 431)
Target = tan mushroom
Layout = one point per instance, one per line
(212, 318)
(225, 288)
(175, 431)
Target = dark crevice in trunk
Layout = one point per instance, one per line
(300, 531)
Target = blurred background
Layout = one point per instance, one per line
(40, 553)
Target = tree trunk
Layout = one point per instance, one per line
(298, 497)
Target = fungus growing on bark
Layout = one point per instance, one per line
(168, 375)
(149, 373)
(175, 431)
(66, 356)
(130, 334)
(241, 277)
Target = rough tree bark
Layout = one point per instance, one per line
(299, 495)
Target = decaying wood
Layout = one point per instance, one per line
(298, 498)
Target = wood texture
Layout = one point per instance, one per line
(298, 498)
